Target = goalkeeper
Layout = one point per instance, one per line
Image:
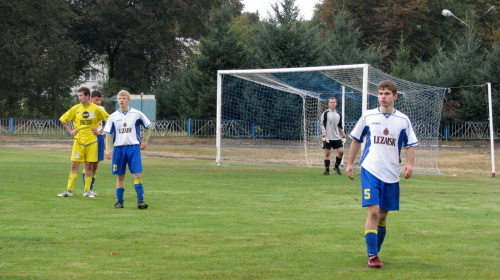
(124, 145)
(333, 135)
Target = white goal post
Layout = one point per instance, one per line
(272, 115)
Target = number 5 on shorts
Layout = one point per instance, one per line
(367, 193)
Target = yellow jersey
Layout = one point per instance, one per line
(85, 118)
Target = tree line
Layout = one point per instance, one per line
(46, 45)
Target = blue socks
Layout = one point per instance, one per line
(381, 234)
(138, 189)
(371, 242)
(375, 239)
(119, 194)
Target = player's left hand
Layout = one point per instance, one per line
(408, 171)
(350, 171)
(143, 146)
(343, 140)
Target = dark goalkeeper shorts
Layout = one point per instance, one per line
(332, 144)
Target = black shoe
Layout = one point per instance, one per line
(118, 205)
(337, 170)
(326, 173)
(142, 205)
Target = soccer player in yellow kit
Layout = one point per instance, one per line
(86, 118)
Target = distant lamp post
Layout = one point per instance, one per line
(468, 22)
(448, 13)
(470, 28)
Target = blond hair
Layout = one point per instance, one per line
(124, 93)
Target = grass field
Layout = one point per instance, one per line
(238, 221)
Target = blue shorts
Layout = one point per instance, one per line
(376, 192)
(100, 147)
(123, 155)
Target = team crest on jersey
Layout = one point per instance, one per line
(85, 115)
(125, 129)
(386, 132)
(92, 115)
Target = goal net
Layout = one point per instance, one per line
(272, 115)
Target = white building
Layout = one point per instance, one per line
(95, 75)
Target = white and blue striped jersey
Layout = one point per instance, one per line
(385, 135)
(126, 127)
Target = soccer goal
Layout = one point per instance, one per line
(272, 115)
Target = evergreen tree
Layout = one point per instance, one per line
(285, 41)
(194, 89)
(493, 74)
(462, 65)
(401, 66)
(342, 44)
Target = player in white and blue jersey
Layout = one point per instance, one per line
(123, 132)
(386, 131)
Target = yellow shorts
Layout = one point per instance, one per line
(84, 153)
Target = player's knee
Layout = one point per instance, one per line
(373, 216)
(382, 216)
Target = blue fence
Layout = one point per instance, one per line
(457, 130)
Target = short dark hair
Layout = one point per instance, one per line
(85, 90)
(388, 85)
(332, 98)
(96, 93)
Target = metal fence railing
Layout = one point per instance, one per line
(456, 130)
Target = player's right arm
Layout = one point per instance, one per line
(355, 146)
(322, 124)
(66, 118)
(109, 146)
(68, 128)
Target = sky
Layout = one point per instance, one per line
(306, 7)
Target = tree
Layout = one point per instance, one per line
(38, 58)
(138, 38)
(142, 40)
(286, 41)
(493, 73)
(383, 22)
(461, 66)
(193, 89)
(342, 44)
(401, 66)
